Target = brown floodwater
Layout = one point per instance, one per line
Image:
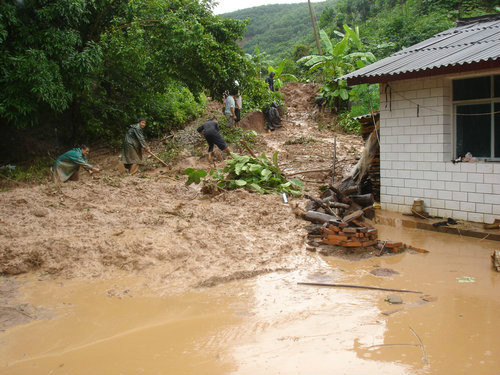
(270, 324)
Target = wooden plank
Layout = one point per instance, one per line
(355, 215)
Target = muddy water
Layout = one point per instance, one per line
(272, 325)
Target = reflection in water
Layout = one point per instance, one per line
(272, 325)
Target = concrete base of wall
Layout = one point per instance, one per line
(462, 228)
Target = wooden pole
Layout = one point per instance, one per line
(248, 148)
(361, 287)
(334, 158)
(157, 158)
(314, 27)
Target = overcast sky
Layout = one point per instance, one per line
(226, 6)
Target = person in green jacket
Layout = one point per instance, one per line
(67, 166)
(133, 144)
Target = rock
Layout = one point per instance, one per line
(40, 212)
(383, 272)
(394, 299)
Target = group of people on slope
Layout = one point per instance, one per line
(67, 166)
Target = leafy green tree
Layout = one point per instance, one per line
(91, 67)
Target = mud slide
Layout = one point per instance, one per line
(152, 224)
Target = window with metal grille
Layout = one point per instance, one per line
(476, 103)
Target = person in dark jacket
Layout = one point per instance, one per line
(273, 118)
(270, 81)
(133, 144)
(67, 166)
(210, 130)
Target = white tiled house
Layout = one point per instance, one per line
(439, 100)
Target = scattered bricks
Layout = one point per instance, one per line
(393, 245)
(339, 238)
(350, 230)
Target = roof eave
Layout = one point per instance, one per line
(489, 64)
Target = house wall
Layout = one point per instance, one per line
(416, 153)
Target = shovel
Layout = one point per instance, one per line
(157, 158)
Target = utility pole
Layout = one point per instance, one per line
(314, 27)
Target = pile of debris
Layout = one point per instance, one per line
(342, 220)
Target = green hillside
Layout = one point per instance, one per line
(277, 28)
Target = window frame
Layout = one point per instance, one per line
(491, 101)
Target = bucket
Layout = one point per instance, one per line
(418, 206)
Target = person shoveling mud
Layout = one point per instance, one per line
(133, 144)
(67, 166)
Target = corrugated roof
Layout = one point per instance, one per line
(473, 41)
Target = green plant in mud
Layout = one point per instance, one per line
(235, 134)
(258, 174)
(36, 171)
(172, 150)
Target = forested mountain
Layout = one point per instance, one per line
(278, 29)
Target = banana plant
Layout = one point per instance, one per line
(279, 76)
(339, 58)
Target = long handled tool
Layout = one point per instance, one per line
(157, 158)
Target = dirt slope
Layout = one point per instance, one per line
(154, 225)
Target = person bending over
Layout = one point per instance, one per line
(210, 130)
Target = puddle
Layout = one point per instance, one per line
(270, 324)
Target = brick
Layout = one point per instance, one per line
(452, 205)
(459, 196)
(467, 206)
(475, 197)
(432, 156)
(424, 148)
(424, 184)
(410, 183)
(467, 187)
(429, 175)
(475, 217)
(437, 203)
(460, 215)
(484, 188)
(459, 176)
(468, 167)
(492, 178)
(450, 167)
(492, 199)
(484, 208)
(444, 194)
(475, 177)
(444, 176)
(484, 168)
(430, 193)
(438, 167)
(404, 191)
(444, 213)
(437, 185)
(415, 193)
(452, 186)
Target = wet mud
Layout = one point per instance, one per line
(270, 324)
(141, 274)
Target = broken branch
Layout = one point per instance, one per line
(360, 287)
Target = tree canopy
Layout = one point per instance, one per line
(93, 66)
